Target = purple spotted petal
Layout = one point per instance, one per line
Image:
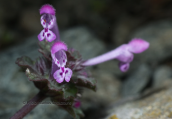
(124, 66)
(52, 22)
(43, 22)
(50, 36)
(59, 58)
(48, 9)
(138, 45)
(55, 60)
(63, 58)
(68, 75)
(41, 36)
(59, 76)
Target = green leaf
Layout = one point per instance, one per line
(70, 91)
(56, 86)
(33, 76)
(45, 48)
(73, 54)
(25, 62)
(84, 80)
(35, 71)
(78, 112)
(67, 104)
(45, 45)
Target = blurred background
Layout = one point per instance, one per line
(93, 27)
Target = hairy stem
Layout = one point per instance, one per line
(29, 106)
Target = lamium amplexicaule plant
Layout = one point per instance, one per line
(60, 72)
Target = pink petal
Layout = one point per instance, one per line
(52, 22)
(68, 75)
(63, 59)
(58, 46)
(123, 54)
(55, 60)
(47, 9)
(41, 36)
(124, 66)
(59, 76)
(50, 36)
(43, 22)
(138, 45)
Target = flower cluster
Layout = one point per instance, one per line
(48, 21)
(123, 53)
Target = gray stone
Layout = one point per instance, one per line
(84, 41)
(162, 75)
(155, 106)
(12, 77)
(136, 81)
(111, 67)
(159, 35)
(108, 90)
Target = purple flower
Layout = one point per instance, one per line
(59, 58)
(48, 21)
(123, 53)
(77, 104)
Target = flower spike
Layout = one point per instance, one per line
(123, 53)
(48, 21)
(59, 58)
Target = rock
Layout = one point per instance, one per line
(12, 76)
(162, 75)
(159, 35)
(108, 89)
(136, 81)
(111, 67)
(155, 106)
(81, 39)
